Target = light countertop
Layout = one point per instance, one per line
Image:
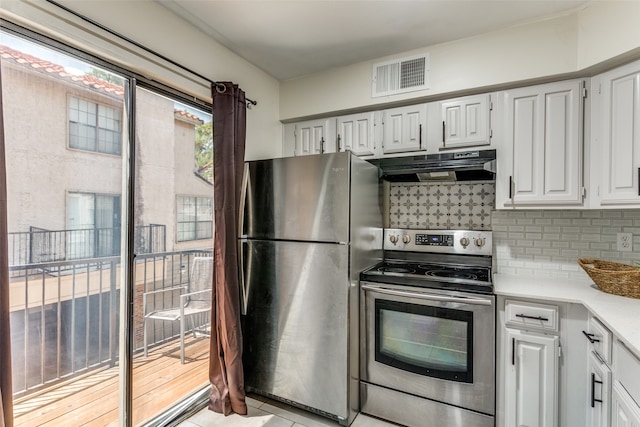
(620, 314)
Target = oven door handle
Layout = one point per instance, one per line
(426, 296)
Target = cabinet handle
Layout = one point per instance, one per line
(511, 187)
(590, 337)
(526, 316)
(513, 351)
(638, 181)
(339, 147)
(443, 133)
(593, 390)
(322, 145)
(420, 135)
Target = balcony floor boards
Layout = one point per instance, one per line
(92, 400)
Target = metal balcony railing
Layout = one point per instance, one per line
(39, 245)
(65, 314)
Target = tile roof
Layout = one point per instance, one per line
(55, 70)
(86, 80)
(185, 115)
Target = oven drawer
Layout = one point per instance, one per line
(531, 316)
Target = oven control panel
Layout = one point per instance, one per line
(442, 241)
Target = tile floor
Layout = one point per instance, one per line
(269, 413)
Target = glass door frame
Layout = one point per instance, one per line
(132, 81)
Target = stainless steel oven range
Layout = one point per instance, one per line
(428, 330)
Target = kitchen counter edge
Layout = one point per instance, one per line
(620, 314)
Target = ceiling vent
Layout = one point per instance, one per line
(401, 75)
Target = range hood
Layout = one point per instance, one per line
(460, 166)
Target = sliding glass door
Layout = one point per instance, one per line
(68, 159)
(174, 190)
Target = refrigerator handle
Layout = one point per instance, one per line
(243, 290)
(243, 201)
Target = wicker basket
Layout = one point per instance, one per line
(613, 277)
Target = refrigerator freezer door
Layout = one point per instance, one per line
(296, 327)
(298, 198)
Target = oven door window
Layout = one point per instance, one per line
(431, 341)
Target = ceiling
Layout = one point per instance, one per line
(290, 39)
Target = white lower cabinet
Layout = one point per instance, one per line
(541, 364)
(598, 409)
(531, 380)
(625, 411)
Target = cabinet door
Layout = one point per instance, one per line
(531, 380)
(356, 133)
(314, 137)
(619, 136)
(598, 408)
(543, 141)
(624, 410)
(404, 128)
(466, 122)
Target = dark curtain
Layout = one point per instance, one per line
(5, 335)
(225, 361)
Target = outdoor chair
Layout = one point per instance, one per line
(195, 299)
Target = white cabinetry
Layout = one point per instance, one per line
(404, 129)
(598, 409)
(598, 373)
(356, 132)
(466, 122)
(311, 137)
(540, 154)
(541, 364)
(625, 403)
(625, 411)
(531, 383)
(616, 137)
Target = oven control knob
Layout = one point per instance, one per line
(393, 239)
(479, 241)
(464, 241)
(406, 239)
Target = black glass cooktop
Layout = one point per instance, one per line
(431, 275)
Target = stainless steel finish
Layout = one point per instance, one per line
(241, 213)
(479, 396)
(465, 165)
(313, 223)
(394, 240)
(300, 198)
(299, 328)
(410, 410)
(426, 295)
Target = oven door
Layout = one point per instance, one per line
(431, 343)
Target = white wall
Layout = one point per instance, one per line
(151, 25)
(557, 46)
(607, 29)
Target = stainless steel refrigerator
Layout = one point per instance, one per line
(310, 225)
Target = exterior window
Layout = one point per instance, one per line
(94, 127)
(195, 218)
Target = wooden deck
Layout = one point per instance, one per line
(159, 381)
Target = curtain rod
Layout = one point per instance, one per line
(146, 49)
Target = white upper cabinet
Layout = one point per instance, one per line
(466, 122)
(404, 129)
(540, 156)
(315, 137)
(616, 137)
(356, 133)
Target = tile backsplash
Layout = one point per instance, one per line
(548, 243)
(442, 206)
